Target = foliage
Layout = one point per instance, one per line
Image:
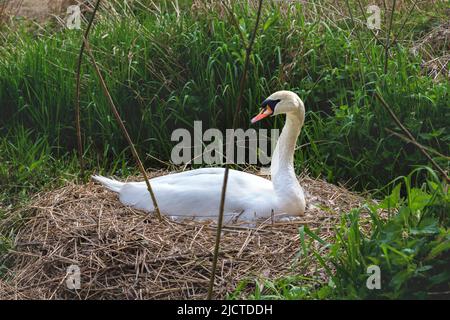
(411, 247)
(167, 68)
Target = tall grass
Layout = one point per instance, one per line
(168, 66)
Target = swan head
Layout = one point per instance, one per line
(281, 102)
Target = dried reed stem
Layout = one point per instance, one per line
(410, 136)
(418, 144)
(227, 168)
(78, 89)
(124, 130)
(404, 22)
(388, 38)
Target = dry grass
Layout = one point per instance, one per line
(128, 254)
(435, 50)
(8, 8)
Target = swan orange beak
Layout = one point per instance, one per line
(265, 112)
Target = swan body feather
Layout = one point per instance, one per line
(197, 193)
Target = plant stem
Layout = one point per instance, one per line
(404, 22)
(437, 153)
(78, 87)
(410, 136)
(124, 130)
(227, 168)
(388, 38)
(357, 32)
(234, 20)
(365, 18)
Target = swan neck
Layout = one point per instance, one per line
(286, 186)
(283, 155)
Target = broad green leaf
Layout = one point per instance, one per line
(419, 199)
(427, 226)
(392, 200)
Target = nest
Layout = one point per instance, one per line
(123, 253)
(435, 50)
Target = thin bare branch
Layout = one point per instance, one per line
(404, 22)
(431, 150)
(363, 48)
(78, 89)
(227, 168)
(122, 127)
(388, 38)
(234, 20)
(410, 136)
(378, 40)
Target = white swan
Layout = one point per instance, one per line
(196, 193)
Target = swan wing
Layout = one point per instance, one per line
(196, 193)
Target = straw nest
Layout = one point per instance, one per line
(435, 51)
(124, 253)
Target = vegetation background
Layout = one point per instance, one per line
(168, 63)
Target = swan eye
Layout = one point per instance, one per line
(267, 109)
(270, 103)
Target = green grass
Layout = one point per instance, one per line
(165, 71)
(411, 248)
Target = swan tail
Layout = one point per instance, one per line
(111, 184)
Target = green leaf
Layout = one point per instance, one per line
(423, 269)
(301, 232)
(269, 22)
(392, 201)
(418, 199)
(400, 278)
(427, 226)
(310, 233)
(440, 248)
(440, 278)
(324, 292)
